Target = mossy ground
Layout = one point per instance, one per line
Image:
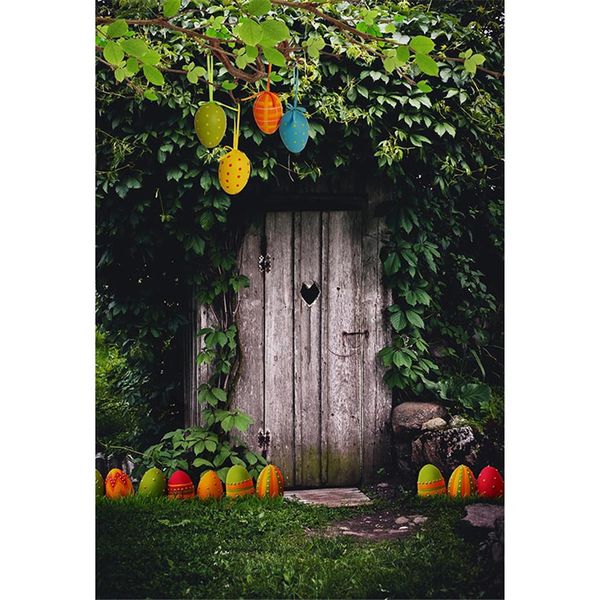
(156, 548)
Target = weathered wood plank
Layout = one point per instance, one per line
(377, 396)
(248, 395)
(307, 349)
(279, 331)
(344, 381)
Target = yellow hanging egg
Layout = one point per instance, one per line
(210, 123)
(234, 172)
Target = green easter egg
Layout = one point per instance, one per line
(153, 483)
(238, 482)
(210, 123)
(99, 484)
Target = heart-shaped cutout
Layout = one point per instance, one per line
(310, 294)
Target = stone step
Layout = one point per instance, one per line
(330, 497)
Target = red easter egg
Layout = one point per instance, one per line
(180, 486)
(490, 483)
(267, 111)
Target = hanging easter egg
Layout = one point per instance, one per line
(462, 483)
(99, 484)
(180, 486)
(267, 111)
(490, 483)
(294, 129)
(210, 486)
(269, 482)
(234, 172)
(153, 483)
(238, 482)
(118, 484)
(210, 123)
(430, 481)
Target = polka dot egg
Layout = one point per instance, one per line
(234, 172)
(490, 483)
(294, 130)
(210, 123)
(118, 484)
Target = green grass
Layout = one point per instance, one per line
(256, 549)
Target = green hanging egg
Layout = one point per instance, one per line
(99, 484)
(210, 123)
(153, 483)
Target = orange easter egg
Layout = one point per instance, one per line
(267, 111)
(269, 482)
(210, 486)
(118, 484)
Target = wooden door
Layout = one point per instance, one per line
(310, 326)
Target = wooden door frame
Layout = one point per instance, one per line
(370, 203)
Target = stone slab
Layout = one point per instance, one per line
(330, 497)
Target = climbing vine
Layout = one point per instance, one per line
(165, 228)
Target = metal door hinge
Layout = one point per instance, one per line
(264, 263)
(264, 440)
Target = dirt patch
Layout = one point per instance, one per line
(384, 525)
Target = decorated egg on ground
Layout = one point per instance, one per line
(99, 484)
(210, 486)
(269, 482)
(430, 481)
(153, 483)
(462, 483)
(118, 484)
(210, 123)
(234, 172)
(267, 111)
(180, 486)
(490, 483)
(294, 130)
(238, 482)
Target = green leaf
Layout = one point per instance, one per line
(275, 31)
(402, 54)
(422, 45)
(135, 47)
(153, 75)
(171, 8)
(117, 28)
(426, 64)
(202, 462)
(389, 63)
(274, 57)
(391, 264)
(257, 8)
(211, 445)
(113, 53)
(251, 52)
(132, 66)
(220, 394)
(401, 360)
(424, 86)
(398, 321)
(152, 57)
(478, 59)
(250, 32)
(414, 318)
(120, 74)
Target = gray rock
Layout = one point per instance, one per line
(446, 448)
(409, 416)
(434, 424)
(457, 421)
(402, 521)
(419, 520)
(484, 516)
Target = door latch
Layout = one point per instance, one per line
(264, 440)
(264, 263)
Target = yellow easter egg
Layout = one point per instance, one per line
(234, 172)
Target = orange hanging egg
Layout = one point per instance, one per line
(267, 111)
(234, 172)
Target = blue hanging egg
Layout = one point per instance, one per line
(293, 129)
